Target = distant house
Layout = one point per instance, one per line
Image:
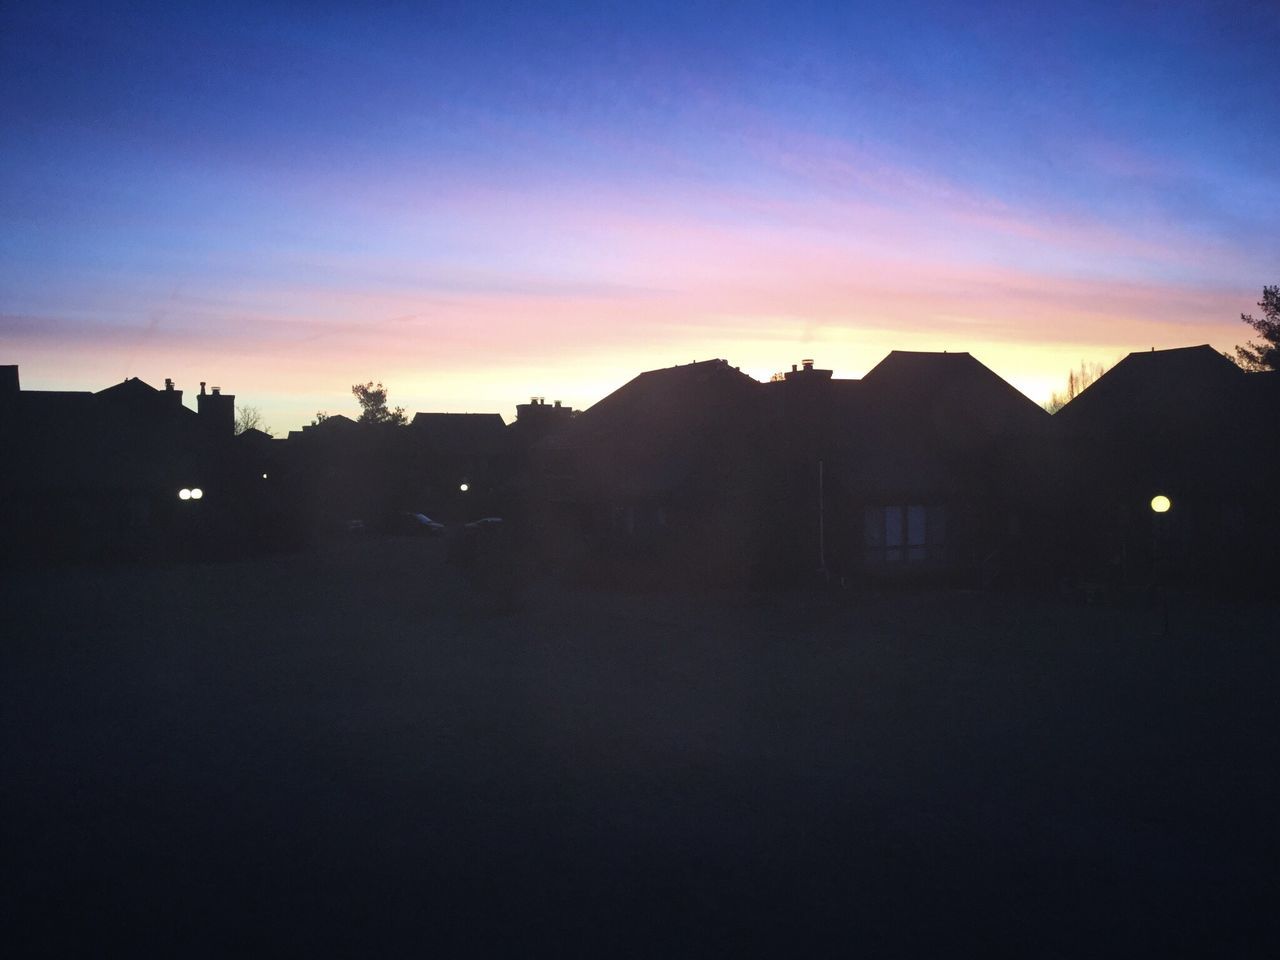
(661, 477)
(1187, 424)
(459, 462)
(101, 473)
(924, 467)
(942, 464)
(451, 466)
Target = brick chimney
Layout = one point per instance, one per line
(217, 412)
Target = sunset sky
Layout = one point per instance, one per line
(475, 203)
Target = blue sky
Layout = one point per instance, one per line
(474, 202)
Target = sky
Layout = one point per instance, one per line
(475, 203)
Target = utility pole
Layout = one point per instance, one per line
(822, 525)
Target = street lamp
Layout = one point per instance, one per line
(1160, 505)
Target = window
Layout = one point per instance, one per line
(903, 534)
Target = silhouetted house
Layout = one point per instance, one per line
(101, 473)
(1187, 424)
(660, 478)
(940, 466)
(926, 466)
(451, 451)
(340, 470)
(451, 466)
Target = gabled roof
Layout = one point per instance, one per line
(128, 387)
(909, 390)
(138, 397)
(669, 397)
(667, 428)
(1174, 388)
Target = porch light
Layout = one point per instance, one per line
(464, 487)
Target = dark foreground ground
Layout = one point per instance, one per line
(350, 753)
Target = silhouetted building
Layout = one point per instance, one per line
(101, 473)
(1187, 424)
(538, 419)
(660, 477)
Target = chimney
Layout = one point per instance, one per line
(168, 383)
(217, 392)
(217, 412)
(173, 396)
(807, 364)
(793, 370)
(557, 404)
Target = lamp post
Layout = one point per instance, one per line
(822, 524)
(1160, 507)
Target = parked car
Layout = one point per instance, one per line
(417, 525)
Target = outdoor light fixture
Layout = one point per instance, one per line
(264, 476)
(1160, 503)
(464, 487)
(196, 493)
(184, 494)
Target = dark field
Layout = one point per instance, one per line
(351, 752)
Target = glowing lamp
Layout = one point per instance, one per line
(1160, 503)
(264, 476)
(196, 493)
(184, 494)
(464, 487)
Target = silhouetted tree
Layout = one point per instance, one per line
(1077, 380)
(373, 405)
(319, 418)
(1264, 355)
(250, 418)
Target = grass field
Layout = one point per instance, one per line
(351, 752)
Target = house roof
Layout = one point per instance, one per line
(910, 390)
(669, 397)
(460, 432)
(668, 426)
(128, 387)
(1159, 389)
